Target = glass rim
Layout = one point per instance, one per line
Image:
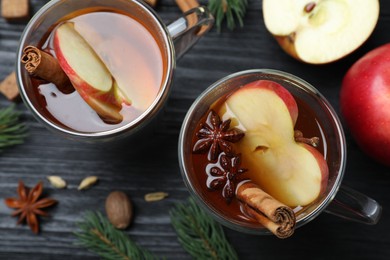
(148, 114)
(308, 88)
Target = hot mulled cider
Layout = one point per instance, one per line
(257, 153)
(114, 65)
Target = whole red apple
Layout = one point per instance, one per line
(365, 103)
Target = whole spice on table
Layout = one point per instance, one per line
(57, 182)
(87, 182)
(29, 205)
(119, 209)
(155, 196)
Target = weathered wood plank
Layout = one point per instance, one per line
(125, 167)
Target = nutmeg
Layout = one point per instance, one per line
(119, 209)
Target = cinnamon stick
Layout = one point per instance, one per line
(272, 214)
(42, 65)
(152, 3)
(185, 6)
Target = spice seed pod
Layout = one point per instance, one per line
(87, 182)
(119, 209)
(155, 196)
(57, 182)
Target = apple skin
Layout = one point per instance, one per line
(102, 95)
(86, 90)
(292, 172)
(365, 102)
(104, 103)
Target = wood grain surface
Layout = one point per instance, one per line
(152, 165)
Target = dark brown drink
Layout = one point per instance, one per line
(200, 163)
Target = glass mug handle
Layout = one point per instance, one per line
(353, 205)
(189, 28)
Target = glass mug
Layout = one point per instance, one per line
(174, 40)
(348, 203)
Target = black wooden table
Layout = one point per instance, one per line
(153, 166)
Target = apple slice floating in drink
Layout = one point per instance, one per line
(292, 172)
(88, 74)
(320, 31)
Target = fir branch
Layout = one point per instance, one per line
(100, 236)
(199, 234)
(231, 10)
(12, 132)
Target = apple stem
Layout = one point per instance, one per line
(298, 135)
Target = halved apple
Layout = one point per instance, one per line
(293, 173)
(320, 31)
(88, 74)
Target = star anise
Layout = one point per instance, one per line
(29, 206)
(225, 175)
(216, 137)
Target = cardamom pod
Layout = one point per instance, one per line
(87, 182)
(57, 182)
(155, 196)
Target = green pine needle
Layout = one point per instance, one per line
(100, 236)
(12, 132)
(199, 234)
(231, 10)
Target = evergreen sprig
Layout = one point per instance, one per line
(100, 236)
(12, 132)
(199, 234)
(233, 10)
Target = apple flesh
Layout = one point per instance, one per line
(88, 74)
(365, 102)
(321, 31)
(293, 173)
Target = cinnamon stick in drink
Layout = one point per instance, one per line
(42, 65)
(272, 214)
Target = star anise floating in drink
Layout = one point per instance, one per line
(29, 205)
(225, 175)
(216, 137)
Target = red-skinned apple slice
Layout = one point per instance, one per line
(293, 173)
(87, 72)
(320, 31)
